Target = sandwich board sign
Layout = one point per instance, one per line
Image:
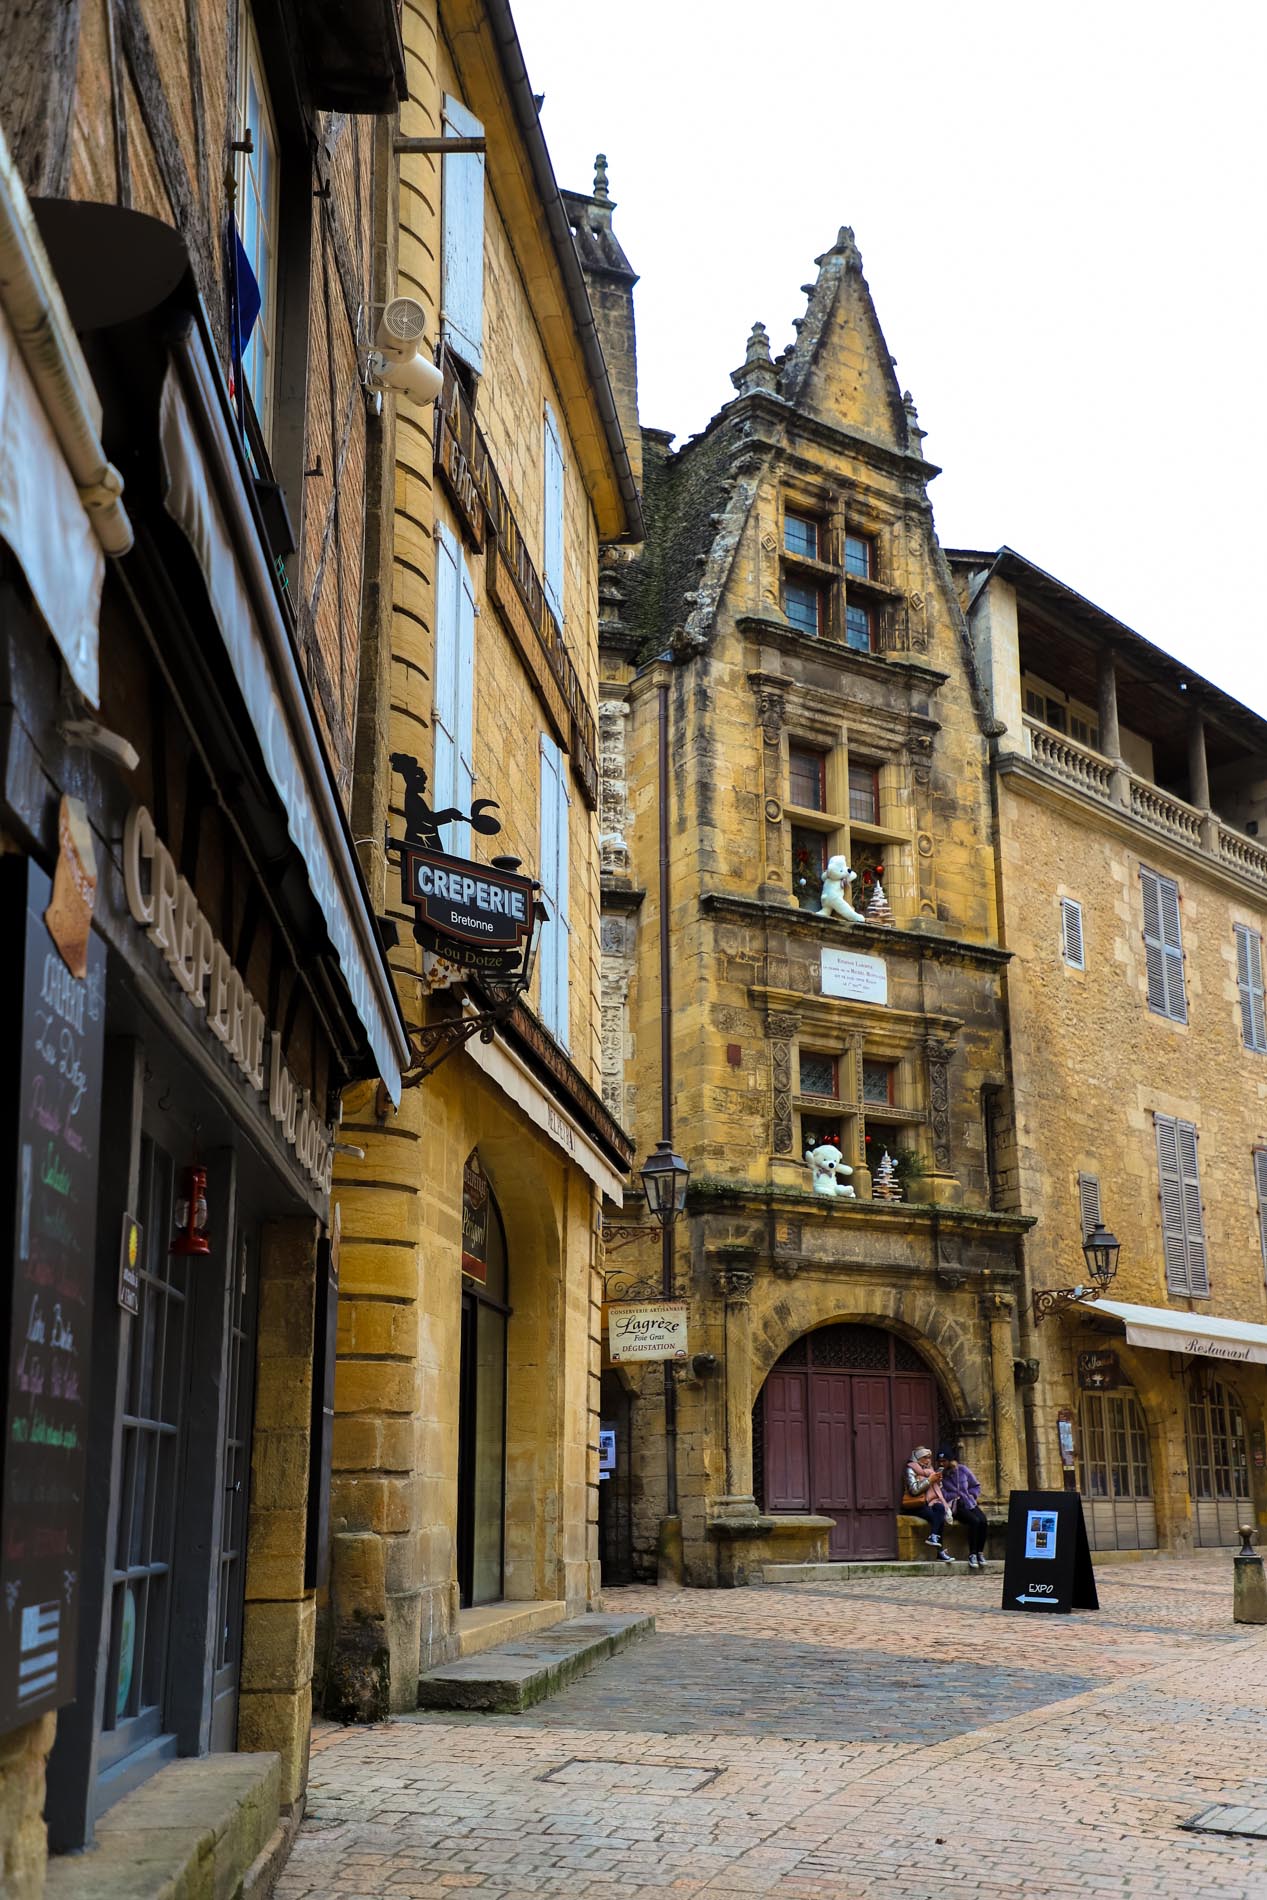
(1048, 1562)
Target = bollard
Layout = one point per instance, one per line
(1249, 1587)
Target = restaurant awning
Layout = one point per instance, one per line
(1166, 1331)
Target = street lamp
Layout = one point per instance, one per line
(1100, 1250)
(665, 1178)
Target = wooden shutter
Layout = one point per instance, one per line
(563, 936)
(1260, 1184)
(1088, 1202)
(1249, 981)
(1174, 1250)
(1193, 1221)
(444, 695)
(1163, 945)
(552, 535)
(462, 239)
(464, 716)
(556, 934)
(1071, 933)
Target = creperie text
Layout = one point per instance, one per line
(461, 889)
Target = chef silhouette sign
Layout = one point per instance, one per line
(479, 916)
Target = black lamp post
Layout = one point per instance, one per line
(665, 1178)
(1100, 1250)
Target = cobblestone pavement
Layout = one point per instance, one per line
(904, 1740)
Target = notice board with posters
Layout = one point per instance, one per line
(51, 1113)
(1048, 1562)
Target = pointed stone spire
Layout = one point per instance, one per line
(600, 176)
(756, 372)
(845, 249)
(915, 435)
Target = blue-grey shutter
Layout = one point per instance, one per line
(444, 694)
(1163, 945)
(548, 871)
(1088, 1202)
(1170, 1185)
(1249, 982)
(1260, 1184)
(563, 938)
(462, 239)
(1071, 946)
(552, 535)
(1193, 1221)
(464, 721)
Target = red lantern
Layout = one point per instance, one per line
(191, 1214)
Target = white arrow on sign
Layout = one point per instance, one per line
(1045, 1603)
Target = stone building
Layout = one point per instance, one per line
(464, 1498)
(1130, 795)
(791, 635)
(188, 240)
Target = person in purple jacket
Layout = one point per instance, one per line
(961, 1489)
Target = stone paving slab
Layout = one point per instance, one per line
(1079, 1785)
(516, 1675)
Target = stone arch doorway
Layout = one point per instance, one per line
(1115, 1471)
(1218, 1460)
(486, 1312)
(833, 1426)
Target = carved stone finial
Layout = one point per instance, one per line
(600, 175)
(845, 249)
(914, 434)
(756, 371)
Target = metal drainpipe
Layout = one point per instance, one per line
(666, 1088)
(50, 350)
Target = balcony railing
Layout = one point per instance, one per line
(1099, 778)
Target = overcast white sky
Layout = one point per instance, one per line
(1060, 213)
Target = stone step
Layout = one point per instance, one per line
(853, 1572)
(513, 1676)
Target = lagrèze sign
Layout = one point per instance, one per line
(646, 1329)
(163, 902)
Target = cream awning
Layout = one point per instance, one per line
(1166, 1331)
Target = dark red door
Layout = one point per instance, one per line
(786, 1443)
(873, 1533)
(914, 1420)
(832, 1469)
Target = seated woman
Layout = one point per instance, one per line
(961, 1488)
(923, 1497)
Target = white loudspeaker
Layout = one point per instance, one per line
(401, 328)
(417, 377)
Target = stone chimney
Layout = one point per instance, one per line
(610, 281)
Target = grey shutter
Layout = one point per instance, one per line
(1163, 945)
(1071, 947)
(1088, 1202)
(1193, 1223)
(464, 723)
(548, 872)
(552, 536)
(444, 695)
(1249, 981)
(1260, 1183)
(462, 239)
(1170, 1182)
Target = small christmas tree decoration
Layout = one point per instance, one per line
(877, 911)
(885, 1185)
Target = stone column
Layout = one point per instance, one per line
(734, 1286)
(1110, 733)
(1198, 770)
(997, 1311)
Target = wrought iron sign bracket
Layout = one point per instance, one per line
(615, 1235)
(1053, 1299)
(618, 1287)
(436, 1042)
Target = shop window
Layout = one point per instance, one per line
(820, 1074)
(256, 179)
(1182, 1220)
(1249, 983)
(1163, 945)
(462, 240)
(802, 535)
(860, 556)
(552, 538)
(878, 1082)
(807, 778)
(556, 932)
(453, 700)
(1114, 1475)
(1071, 944)
(809, 861)
(864, 794)
(1218, 1465)
(859, 627)
(804, 603)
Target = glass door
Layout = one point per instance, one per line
(1218, 1465)
(1114, 1476)
(235, 1464)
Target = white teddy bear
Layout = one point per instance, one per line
(837, 879)
(827, 1164)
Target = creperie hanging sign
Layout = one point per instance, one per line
(163, 903)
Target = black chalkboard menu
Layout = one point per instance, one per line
(48, 1169)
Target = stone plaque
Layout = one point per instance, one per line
(846, 973)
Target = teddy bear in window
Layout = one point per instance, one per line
(826, 1165)
(837, 882)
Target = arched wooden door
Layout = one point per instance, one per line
(1113, 1472)
(833, 1427)
(1218, 1464)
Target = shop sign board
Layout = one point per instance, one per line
(130, 1265)
(646, 1329)
(1098, 1371)
(1047, 1566)
(1065, 1439)
(49, 1178)
(474, 914)
(846, 973)
(606, 1451)
(475, 1221)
